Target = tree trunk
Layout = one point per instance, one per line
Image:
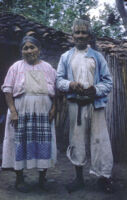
(122, 11)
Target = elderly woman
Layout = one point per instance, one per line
(29, 89)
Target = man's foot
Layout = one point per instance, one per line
(75, 185)
(22, 187)
(106, 184)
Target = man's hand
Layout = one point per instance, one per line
(90, 92)
(76, 87)
(14, 119)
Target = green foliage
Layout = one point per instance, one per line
(109, 23)
(60, 14)
(57, 13)
(72, 9)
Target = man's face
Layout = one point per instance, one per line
(30, 53)
(81, 37)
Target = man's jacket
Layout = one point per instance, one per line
(102, 77)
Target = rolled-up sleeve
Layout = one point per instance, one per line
(9, 81)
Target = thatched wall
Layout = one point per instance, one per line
(54, 43)
(116, 111)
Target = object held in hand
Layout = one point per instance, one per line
(90, 92)
(76, 87)
(82, 97)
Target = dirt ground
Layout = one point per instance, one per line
(58, 177)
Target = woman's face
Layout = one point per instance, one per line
(30, 53)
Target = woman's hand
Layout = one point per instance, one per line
(52, 114)
(12, 108)
(14, 119)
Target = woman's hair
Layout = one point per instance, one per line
(31, 40)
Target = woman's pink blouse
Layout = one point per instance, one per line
(15, 78)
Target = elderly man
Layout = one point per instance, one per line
(84, 76)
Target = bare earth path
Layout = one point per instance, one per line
(57, 178)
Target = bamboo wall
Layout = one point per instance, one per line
(116, 111)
